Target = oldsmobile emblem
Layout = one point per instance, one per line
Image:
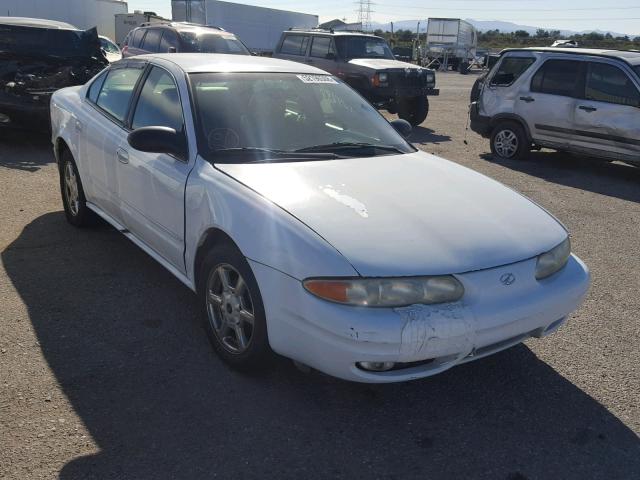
(508, 279)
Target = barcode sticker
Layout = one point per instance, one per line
(317, 79)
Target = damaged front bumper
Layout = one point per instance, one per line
(29, 112)
(421, 340)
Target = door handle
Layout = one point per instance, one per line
(528, 99)
(123, 156)
(587, 108)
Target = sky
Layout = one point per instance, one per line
(620, 16)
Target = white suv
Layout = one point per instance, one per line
(577, 100)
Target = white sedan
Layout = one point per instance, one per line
(305, 222)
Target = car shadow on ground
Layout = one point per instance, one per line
(607, 178)
(122, 338)
(24, 150)
(423, 135)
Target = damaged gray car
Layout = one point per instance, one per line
(38, 57)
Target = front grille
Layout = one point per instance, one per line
(410, 78)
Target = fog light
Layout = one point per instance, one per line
(4, 118)
(376, 366)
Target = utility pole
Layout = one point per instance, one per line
(364, 14)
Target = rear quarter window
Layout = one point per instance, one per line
(294, 45)
(510, 69)
(94, 89)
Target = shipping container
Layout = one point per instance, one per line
(259, 28)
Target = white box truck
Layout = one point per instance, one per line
(259, 28)
(450, 43)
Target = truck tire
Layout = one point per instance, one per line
(463, 68)
(413, 109)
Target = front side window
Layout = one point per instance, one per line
(607, 83)
(159, 103)
(363, 47)
(295, 45)
(240, 113)
(322, 47)
(557, 77)
(152, 40)
(117, 90)
(213, 43)
(510, 69)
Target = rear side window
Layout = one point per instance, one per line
(117, 90)
(607, 83)
(94, 89)
(321, 47)
(510, 69)
(159, 103)
(169, 39)
(152, 40)
(557, 77)
(295, 45)
(136, 38)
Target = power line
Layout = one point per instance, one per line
(364, 14)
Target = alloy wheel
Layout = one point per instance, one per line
(506, 143)
(71, 191)
(230, 308)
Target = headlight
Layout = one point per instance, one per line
(380, 79)
(383, 77)
(554, 260)
(431, 77)
(387, 292)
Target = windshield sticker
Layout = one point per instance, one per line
(317, 79)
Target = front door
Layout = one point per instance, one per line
(607, 121)
(151, 185)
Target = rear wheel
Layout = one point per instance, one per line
(414, 109)
(73, 199)
(509, 141)
(232, 309)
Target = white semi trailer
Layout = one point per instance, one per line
(259, 28)
(450, 43)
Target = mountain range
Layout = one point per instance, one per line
(484, 25)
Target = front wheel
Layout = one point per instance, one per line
(414, 110)
(509, 141)
(232, 309)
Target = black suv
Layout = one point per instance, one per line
(181, 37)
(366, 63)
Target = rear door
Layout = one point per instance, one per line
(151, 41)
(134, 44)
(607, 119)
(323, 54)
(548, 102)
(151, 185)
(104, 132)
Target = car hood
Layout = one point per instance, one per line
(382, 64)
(413, 214)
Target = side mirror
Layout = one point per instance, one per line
(330, 56)
(159, 140)
(172, 50)
(403, 127)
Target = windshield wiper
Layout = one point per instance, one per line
(269, 154)
(350, 146)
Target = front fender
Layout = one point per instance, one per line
(263, 231)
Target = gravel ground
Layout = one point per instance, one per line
(106, 373)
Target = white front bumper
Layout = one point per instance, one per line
(333, 338)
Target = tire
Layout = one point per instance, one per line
(224, 310)
(509, 141)
(414, 109)
(73, 199)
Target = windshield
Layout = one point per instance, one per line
(363, 47)
(275, 115)
(213, 43)
(108, 47)
(35, 41)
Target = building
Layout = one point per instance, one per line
(83, 14)
(125, 22)
(339, 25)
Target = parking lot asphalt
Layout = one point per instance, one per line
(105, 371)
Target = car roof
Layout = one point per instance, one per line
(187, 27)
(36, 22)
(219, 62)
(630, 56)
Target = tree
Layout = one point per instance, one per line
(542, 33)
(521, 34)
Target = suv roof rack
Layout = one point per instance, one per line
(186, 24)
(315, 29)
